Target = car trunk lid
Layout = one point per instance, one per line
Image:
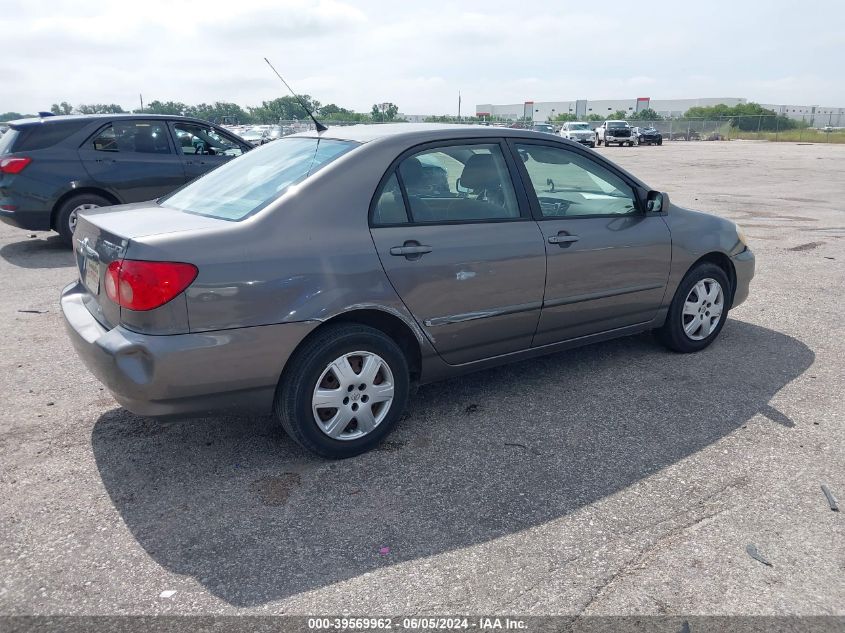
(105, 235)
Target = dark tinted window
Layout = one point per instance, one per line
(46, 134)
(390, 208)
(144, 137)
(459, 183)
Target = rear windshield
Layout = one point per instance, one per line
(7, 140)
(250, 182)
(47, 133)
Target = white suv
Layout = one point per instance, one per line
(580, 132)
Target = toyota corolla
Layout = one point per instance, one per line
(323, 276)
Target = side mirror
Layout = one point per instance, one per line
(656, 202)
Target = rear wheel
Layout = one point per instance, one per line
(343, 391)
(68, 213)
(698, 311)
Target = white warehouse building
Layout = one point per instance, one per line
(582, 108)
(543, 110)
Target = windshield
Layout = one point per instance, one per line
(580, 126)
(542, 127)
(250, 134)
(615, 125)
(249, 183)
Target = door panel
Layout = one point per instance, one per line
(608, 262)
(477, 292)
(614, 275)
(134, 159)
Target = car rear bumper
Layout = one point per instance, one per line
(198, 373)
(32, 220)
(744, 268)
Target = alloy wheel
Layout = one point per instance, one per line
(703, 309)
(353, 395)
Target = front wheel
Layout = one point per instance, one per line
(698, 310)
(343, 390)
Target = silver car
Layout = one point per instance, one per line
(324, 275)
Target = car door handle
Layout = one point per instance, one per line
(563, 239)
(410, 250)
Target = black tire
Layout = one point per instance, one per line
(630, 143)
(660, 141)
(672, 333)
(64, 212)
(306, 366)
(592, 145)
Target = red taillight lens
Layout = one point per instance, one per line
(139, 285)
(13, 164)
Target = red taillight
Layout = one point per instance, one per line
(138, 285)
(13, 164)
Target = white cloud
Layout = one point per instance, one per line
(417, 55)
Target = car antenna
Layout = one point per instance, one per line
(319, 126)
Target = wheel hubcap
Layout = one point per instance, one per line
(353, 395)
(703, 309)
(74, 215)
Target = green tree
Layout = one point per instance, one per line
(216, 111)
(332, 112)
(563, 117)
(166, 107)
(11, 116)
(100, 108)
(745, 116)
(645, 115)
(283, 109)
(61, 108)
(384, 112)
(619, 115)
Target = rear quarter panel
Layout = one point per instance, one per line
(307, 256)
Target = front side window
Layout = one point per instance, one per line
(143, 137)
(192, 138)
(459, 183)
(568, 184)
(249, 183)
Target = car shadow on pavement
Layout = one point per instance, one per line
(253, 518)
(41, 252)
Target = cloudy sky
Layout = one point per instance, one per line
(419, 54)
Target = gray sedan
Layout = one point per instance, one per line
(324, 275)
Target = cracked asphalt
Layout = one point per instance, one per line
(613, 479)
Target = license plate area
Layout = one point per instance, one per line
(91, 278)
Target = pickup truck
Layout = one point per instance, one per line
(618, 132)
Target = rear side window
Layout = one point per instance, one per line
(459, 183)
(390, 208)
(144, 137)
(45, 134)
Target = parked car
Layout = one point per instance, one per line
(52, 168)
(579, 132)
(618, 132)
(255, 136)
(322, 276)
(546, 128)
(647, 136)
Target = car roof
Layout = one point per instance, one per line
(417, 132)
(97, 117)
